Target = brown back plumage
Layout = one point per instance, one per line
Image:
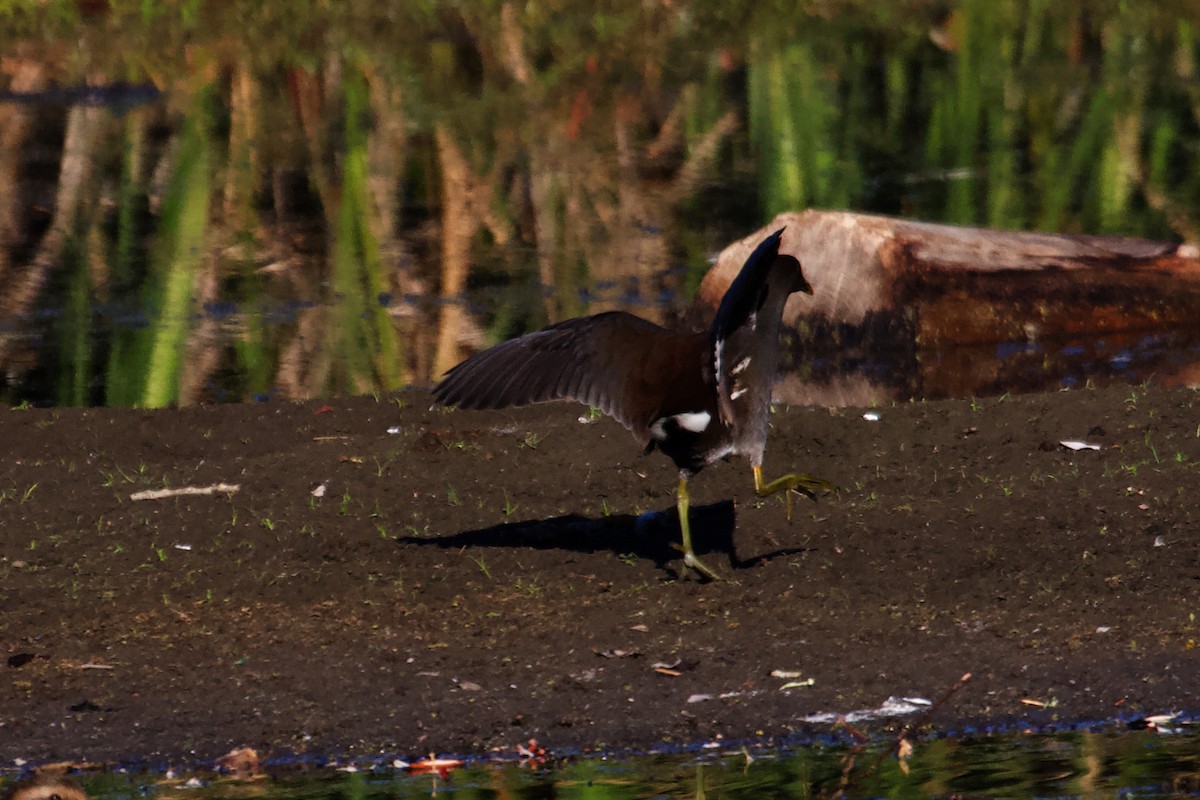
(595, 360)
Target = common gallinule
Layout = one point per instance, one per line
(698, 396)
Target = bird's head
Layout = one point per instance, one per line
(790, 267)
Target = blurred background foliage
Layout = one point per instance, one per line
(232, 199)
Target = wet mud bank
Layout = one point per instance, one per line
(373, 575)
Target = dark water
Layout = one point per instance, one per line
(1086, 765)
(828, 370)
(202, 202)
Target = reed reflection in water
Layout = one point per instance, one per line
(1079, 764)
(206, 201)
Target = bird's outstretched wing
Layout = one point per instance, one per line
(585, 359)
(737, 318)
(742, 298)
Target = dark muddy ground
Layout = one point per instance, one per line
(472, 580)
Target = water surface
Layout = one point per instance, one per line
(235, 201)
(1080, 764)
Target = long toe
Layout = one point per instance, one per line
(690, 560)
(806, 485)
(809, 485)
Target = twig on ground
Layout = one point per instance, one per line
(159, 494)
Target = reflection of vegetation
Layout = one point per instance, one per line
(364, 341)
(1081, 764)
(75, 368)
(794, 117)
(175, 268)
(332, 160)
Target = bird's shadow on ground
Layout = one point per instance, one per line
(646, 536)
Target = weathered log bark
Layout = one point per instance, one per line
(950, 305)
(861, 265)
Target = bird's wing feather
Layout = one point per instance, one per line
(740, 303)
(584, 359)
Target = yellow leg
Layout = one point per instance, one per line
(806, 485)
(689, 557)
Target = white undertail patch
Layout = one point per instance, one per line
(693, 421)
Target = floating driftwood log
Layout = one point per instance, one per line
(944, 297)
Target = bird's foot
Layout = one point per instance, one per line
(806, 485)
(691, 561)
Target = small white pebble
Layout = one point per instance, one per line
(871, 416)
(394, 430)
(1160, 541)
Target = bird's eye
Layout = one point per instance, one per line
(55, 796)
